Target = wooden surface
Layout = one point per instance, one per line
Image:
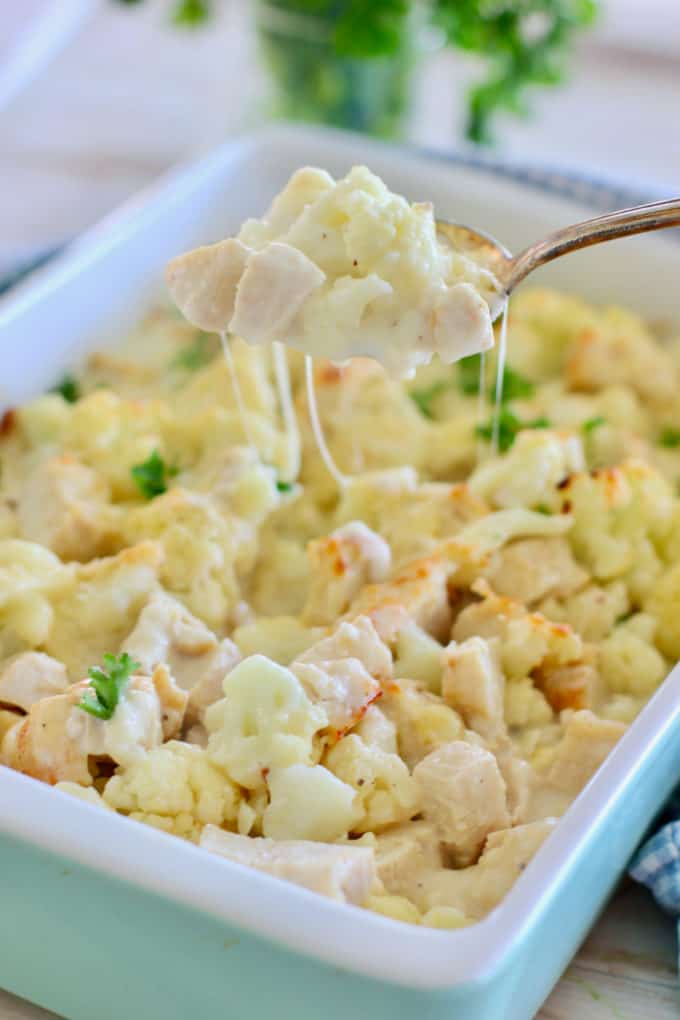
(128, 96)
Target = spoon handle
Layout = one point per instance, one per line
(637, 220)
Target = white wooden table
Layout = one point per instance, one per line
(129, 96)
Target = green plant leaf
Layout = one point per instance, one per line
(107, 684)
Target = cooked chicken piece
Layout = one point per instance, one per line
(478, 889)
(532, 569)
(519, 780)
(166, 632)
(473, 684)
(403, 853)
(463, 795)
(30, 676)
(418, 591)
(275, 284)
(586, 743)
(203, 283)
(341, 872)
(342, 687)
(340, 565)
(575, 685)
(64, 505)
(57, 737)
(357, 639)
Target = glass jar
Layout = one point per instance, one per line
(311, 81)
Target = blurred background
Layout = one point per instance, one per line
(97, 97)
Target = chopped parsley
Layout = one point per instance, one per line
(423, 398)
(669, 437)
(106, 685)
(469, 370)
(514, 386)
(197, 355)
(591, 424)
(543, 509)
(191, 13)
(284, 486)
(68, 388)
(152, 475)
(509, 425)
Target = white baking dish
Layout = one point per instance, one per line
(137, 923)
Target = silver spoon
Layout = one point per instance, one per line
(510, 270)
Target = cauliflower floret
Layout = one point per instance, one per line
(308, 802)
(340, 565)
(386, 792)
(30, 676)
(630, 665)
(30, 577)
(621, 515)
(527, 476)
(64, 505)
(98, 608)
(174, 781)
(345, 873)
(423, 720)
(419, 657)
(527, 640)
(591, 612)
(87, 793)
(281, 638)
(376, 730)
(265, 721)
(463, 794)
(663, 604)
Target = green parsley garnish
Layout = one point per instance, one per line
(106, 685)
(508, 427)
(284, 486)
(669, 438)
(198, 354)
(514, 386)
(624, 617)
(468, 374)
(593, 423)
(68, 388)
(543, 509)
(423, 398)
(191, 12)
(151, 477)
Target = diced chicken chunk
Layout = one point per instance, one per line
(404, 853)
(166, 632)
(343, 687)
(424, 722)
(341, 872)
(418, 591)
(473, 684)
(56, 739)
(356, 640)
(275, 284)
(535, 568)
(477, 890)
(461, 315)
(30, 676)
(63, 505)
(203, 283)
(585, 745)
(463, 794)
(340, 565)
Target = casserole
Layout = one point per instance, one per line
(503, 966)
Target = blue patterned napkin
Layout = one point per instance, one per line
(657, 865)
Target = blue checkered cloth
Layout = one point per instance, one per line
(657, 865)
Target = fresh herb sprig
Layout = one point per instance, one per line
(152, 476)
(196, 355)
(106, 685)
(591, 424)
(68, 388)
(524, 43)
(509, 425)
(669, 437)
